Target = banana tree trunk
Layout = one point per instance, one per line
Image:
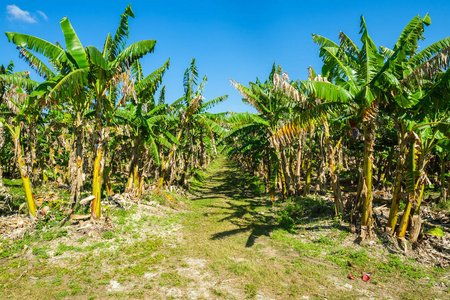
(99, 164)
(309, 165)
(183, 180)
(366, 209)
(273, 173)
(107, 181)
(77, 163)
(416, 221)
(401, 231)
(397, 194)
(338, 204)
(31, 203)
(286, 173)
(298, 164)
(133, 167)
(321, 182)
(213, 144)
(165, 164)
(202, 149)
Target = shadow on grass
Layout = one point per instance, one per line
(243, 209)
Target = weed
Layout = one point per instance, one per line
(148, 286)
(325, 240)
(96, 246)
(108, 235)
(341, 256)
(238, 268)
(62, 294)
(218, 293)
(75, 289)
(40, 253)
(172, 279)
(57, 280)
(250, 290)
(285, 221)
(50, 235)
(297, 208)
(63, 248)
(395, 265)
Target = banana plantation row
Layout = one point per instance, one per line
(374, 119)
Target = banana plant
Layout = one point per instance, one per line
(427, 128)
(147, 117)
(191, 112)
(65, 84)
(20, 109)
(273, 102)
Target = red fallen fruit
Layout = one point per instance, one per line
(366, 276)
(350, 276)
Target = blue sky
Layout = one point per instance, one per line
(229, 39)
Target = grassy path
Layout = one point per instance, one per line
(229, 227)
(233, 231)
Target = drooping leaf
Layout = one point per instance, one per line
(35, 63)
(38, 45)
(20, 81)
(69, 85)
(213, 102)
(133, 52)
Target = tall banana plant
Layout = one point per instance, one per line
(112, 85)
(191, 113)
(273, 102)
(145, 117)
(426, 123)
(14, 93)
(67, 83)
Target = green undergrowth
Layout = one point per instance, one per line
(198, 178)
(302, 210)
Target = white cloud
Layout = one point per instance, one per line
(15, 13)
(44, 16)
